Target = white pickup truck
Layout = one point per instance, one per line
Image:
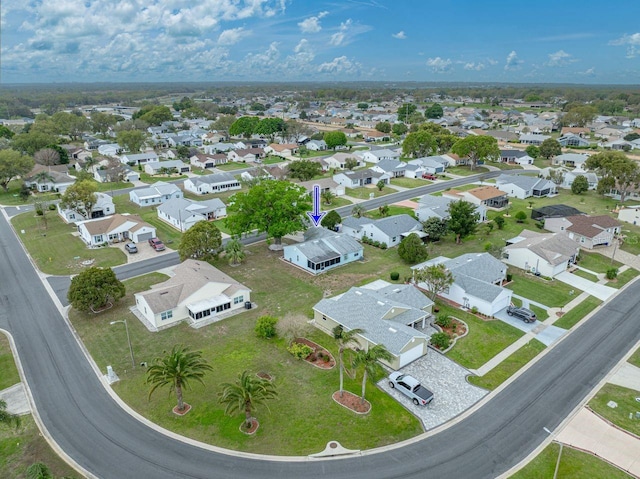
(410, 386)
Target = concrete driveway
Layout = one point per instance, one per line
(144, 252)
(447, 380)
(600, 291)
(546, 334)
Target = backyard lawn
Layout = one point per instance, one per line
(393, 210)
(509, 366)
(570, 318)
(486, 338)
(409, 182)
(12, 198)
(551, 293)
(55, 250)
(466, 171)
(233, 165)
(231, 346)
(627, 404)
(147, 178)
(364, 192)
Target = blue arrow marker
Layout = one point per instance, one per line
(317, 215)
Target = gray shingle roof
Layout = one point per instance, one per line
(555, 248)
(398, 224)
(184, 208)
(524, 182)
(159, 188)
(214, 179)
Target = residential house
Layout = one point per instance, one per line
(519, 157)
(316, 145)
(139, 158)
(286, 150)
(110, 149)
(115, 175)
(630, 214)
(337, 160)
(197, 293)
(355, 179)
(323, 250)
(256, 173)
(477, 282)
(571, 160)
(619, 144)
(438, 207)
(49, 178)
(183, 213)
(103, 207)
(157, 167)
(489, 196)
(573, 140)
(375, 136)
(216, 183)
(390, 230)
(374, 156)
(433, 165)
(220, 148)
(156, 194)
(570, 176)
(325, 184)
(243, 155)
(532, 139)
(582, 132)
(387, 316)
(114, 229)
(205, 161)
(393, 168)
(455, 160)
(546, 254)
(588, 231)
(517, 186)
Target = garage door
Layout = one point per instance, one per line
(500, 304)
(144, 237)
(411, 355)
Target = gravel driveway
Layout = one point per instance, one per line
(447, 380)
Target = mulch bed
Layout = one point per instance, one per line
(319, 356)
(252, 430)
(460, 328)
(178, 412)
(352, 402)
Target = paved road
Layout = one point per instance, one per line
(99, 435)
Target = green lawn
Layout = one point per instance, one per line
(55, 250)
(11, 196)
(509, 366)
(573, 316)
(409, 182)
(541, 313)
(573, 464)
(585, 275)
(363, 192)
(232, 165)
(504, 166)
(231, 347)
(627, 404)
(271, 160)
(550, 293)
(484, 341)
(623, 278)
(147, 178)
(597, 262)
(466, 171)
(336, 202)
(635, 358)
(9, 375)
(393, 210)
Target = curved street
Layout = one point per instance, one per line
(109, 443)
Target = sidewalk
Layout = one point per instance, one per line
(16, 399)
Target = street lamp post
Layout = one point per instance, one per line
(126, 327)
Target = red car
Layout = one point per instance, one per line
(156, 244)
(429, 176)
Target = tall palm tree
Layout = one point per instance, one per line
(234, 251)
(357, 211)
(245, 394)
(176, 370)
(42, 177)
(369, 360)
(6, 417)
(344, 339)
(327, 196)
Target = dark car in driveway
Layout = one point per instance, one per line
(524, 314)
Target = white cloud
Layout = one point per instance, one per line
(312, 24)
(439, 65)
(632, 43)
(338, 37)
(513, 62)
(233, 36)
(474, 66)
(559, 59)
(492, 61)
(340, 65)
(400, 35)
(590, 72)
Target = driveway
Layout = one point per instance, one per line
(546, 334)
(600, 291)
(447, 380)
(145, 251)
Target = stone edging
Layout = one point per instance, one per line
(324, 350)
(456, 337)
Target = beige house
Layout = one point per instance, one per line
(587, 231)
(287, 150)
(489, 196)
(114, 229)
(198, 293)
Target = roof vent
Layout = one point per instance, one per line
(393, 330)
(359, 293)
(380, 303)
(397, 290)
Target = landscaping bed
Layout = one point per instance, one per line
(320, 357)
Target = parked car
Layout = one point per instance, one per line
(410, 387)
(156, 244)
(131, 248)
(524, 314)
(429, 176)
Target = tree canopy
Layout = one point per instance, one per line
(437, 277)
(244, 126)
(154, 115)
(550, 147)
(202, 241)
(463, 219)
(275, 207)
(304, 170)
(333, 139)
(331, 220)
(477, 148)
(580, 185)
(412, 250)
(383, 127)
(131, 140)
(94, 288)
(405, 111)
(419, 143)
(434, 111)
(270, 127)
(81, 197)
(435, 227)
(617, 171)
(12, 165)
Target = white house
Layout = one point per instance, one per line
(316, 145)
(337, 160)
(438, 207)
(110, 149)
(208, 161)
(155, 167)
(243, 155)
(587, 231)
(571, 160)
(139, 158)
(630, 214)
(157, 193)
(120, 173)
(323, 250)
(518, 186)
(489, 196)
(393, 168)
(355, 179)
(103, 207)
(478, 279)
(390, 230)
(533, 139)
(286, 150)
(374, 156)
(49, 178)
(519, 157)
(215, 183)
(183, 213)
(547, 254)
(430, 164)
(198, 293)
(325, 184)
(115, 228)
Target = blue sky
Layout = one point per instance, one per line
(316, 40)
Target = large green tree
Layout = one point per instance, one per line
(412, 250)
(399, 129)
(345, 339)
(477, 148)
(275, 207)
(383, 127)
(463, 219)
(331, 220)
(154, 115)
(81, 197)
(434, 111)
(368, 359)
(131, 140)
(270, 127)
(580, 185)
(435, 227)
(101, 122)
(549, 148)
(405, 111)
(202, 241)
(94, 288)
(304, 170)
(177, 369)
(31, 142)
(617, 171)
(72, 124)
(12, 165)
(248, 392)
(334, 139)
(437, 277)
(244, 126)
(419, 143)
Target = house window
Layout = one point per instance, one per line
(166, 315)
(393, 240)
(582, 240)
(238, 299)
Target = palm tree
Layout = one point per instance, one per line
(6, 417)
(176, 369)
(384, 210)
(344, 339)
(38, 470)
(357, 211)
(42, 177)
(369, 359)
(327, 196)
(245, 394)
(234, 251)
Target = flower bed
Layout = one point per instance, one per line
(320, 357)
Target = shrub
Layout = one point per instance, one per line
(499, 221)
(383, 245)
(266, 327)
(443, 320)
(488, 246)
(509, 277)
(52, 207)
(39, 212)
(612, 273)
(394, 276)
(300, 351)
(474, 310)
(376, 244)
(521, 216)
(440, 340)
